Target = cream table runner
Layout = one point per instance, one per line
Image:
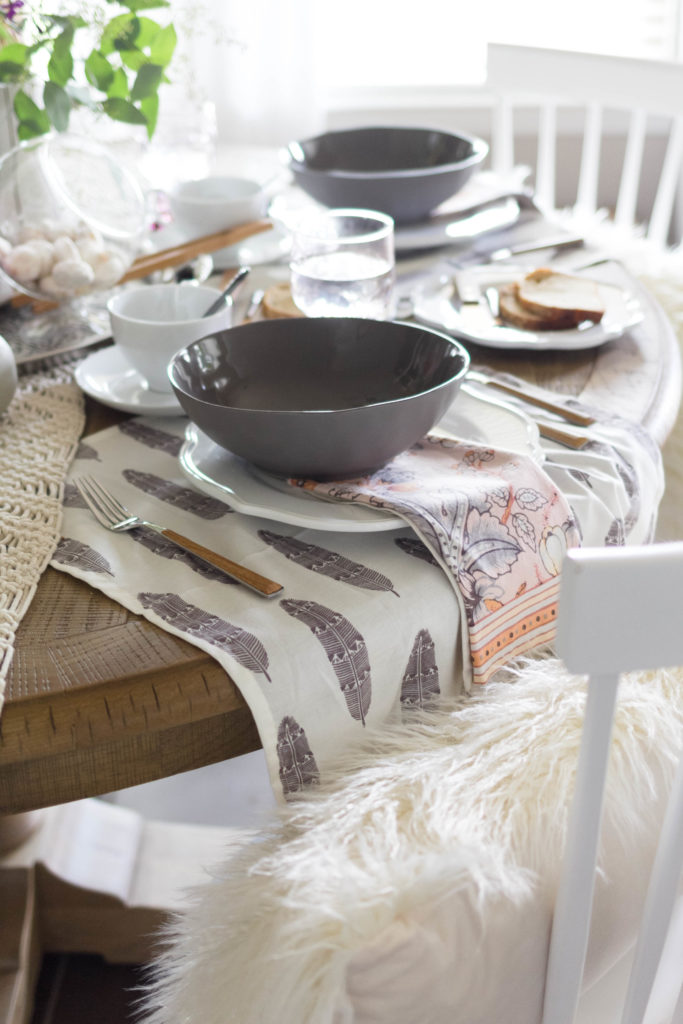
(409, 625)
(38, 437)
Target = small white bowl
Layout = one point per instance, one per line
(207, 205)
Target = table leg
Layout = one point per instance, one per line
(20, 950)
(93, 878)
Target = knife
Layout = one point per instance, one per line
(565, 242)
(468, 292)
(467, 289)
(254, 305)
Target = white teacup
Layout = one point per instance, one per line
(153, 322)
(217, 203)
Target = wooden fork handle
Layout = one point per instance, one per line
(553, 433)
(580, 419)
(261, 584)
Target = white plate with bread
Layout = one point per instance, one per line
(539, 309)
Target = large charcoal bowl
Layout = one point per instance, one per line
(405, 172)
(325, 398)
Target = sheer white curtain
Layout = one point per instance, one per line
(259, 65)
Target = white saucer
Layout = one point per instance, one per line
(222, 475)
(107, 376)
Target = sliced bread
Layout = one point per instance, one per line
(511, 311)
(552, 293)
(278, 302)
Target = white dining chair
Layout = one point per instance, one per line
(619, 610)
(643, 96)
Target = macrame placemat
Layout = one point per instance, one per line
(39, 434)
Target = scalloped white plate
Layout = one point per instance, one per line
(475, 322)
(251, 491)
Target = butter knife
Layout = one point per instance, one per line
(497, 255)
(467, 289)
(564, 242)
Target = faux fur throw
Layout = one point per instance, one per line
(415, 887)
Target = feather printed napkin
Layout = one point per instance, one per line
(496, 524)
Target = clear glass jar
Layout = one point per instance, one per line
(72, 219)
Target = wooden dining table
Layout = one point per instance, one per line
(99, 699)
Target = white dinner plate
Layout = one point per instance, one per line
(487, 203)
(221, 474)
(475, 322)
(107, 376)
(444, 229)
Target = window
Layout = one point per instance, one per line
(394, 44)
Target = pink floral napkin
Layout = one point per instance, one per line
(496, 524)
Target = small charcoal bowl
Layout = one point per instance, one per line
(404, 172)
(327, 398)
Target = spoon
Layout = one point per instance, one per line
(229, 288)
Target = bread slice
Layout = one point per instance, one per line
(278, 302)
(513, 312)
(552, 293)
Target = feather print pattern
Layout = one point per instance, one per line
(420, 684)
(327, 563)
(160, 545)
(345, 648)
(185, 498)
(416, 548)
(86, 451)
(152, 437)
(73, 497)
(82, 556)
(295, 757)
(244, 647)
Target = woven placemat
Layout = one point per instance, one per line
(39, 435)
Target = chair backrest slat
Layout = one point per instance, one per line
(587, 191)
(668, 185)
(571, 923)
(503, 137)
(547, 153)
(619, 610)
(625, 213)
(659, 904)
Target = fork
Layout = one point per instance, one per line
(110, 513)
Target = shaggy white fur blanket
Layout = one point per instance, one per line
(415, 885)
(424, 871)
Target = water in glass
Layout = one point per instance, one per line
(343, 284)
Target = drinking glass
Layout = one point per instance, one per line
(342, 264)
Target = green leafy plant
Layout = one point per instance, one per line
(114, 63)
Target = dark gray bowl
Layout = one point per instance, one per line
(405, 172)
(325, 398)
